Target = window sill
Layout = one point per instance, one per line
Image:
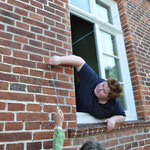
(93, 129)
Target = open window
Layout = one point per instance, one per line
(97, 37)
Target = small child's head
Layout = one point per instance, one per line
(92, 146)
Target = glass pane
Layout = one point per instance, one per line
(102, 12)
(111, 67)
(82, 4)
(122, 102)
(108, 43)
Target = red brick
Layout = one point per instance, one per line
(8, 77)
(6, 20)
(6, 35)
(20, 70)
(20, 39)
(5, 51)
(10, 43)
(34, 145)
(22, 25)
(35, 81)
(36, 73)
(36, 17)
(36, 57)
(34, 107)
(37, 4)
(32, 125)
(19, 62)
(6, 6)
(35, 50)
(16, 107)
(1, 126)
(10, 137)
(21, 32)
(2, 106)
(20, 54)
(42, 135)
(46, 99)
(35, 23)
(3, 85)
(48, 144)
(22, 5)
(13, 126)
(69, 117)
(71, 101)
(1, 147)
(34, 89)
(32, 117)
(6, 116)
(50, 91)
(19, 146)
(21, 12)
(50, 108)
(16, 96)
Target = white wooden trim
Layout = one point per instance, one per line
(115, 30)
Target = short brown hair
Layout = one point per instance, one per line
(92, 145)
(115, 88)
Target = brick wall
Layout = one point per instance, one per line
(33, 29)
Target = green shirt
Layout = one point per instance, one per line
(58, 139)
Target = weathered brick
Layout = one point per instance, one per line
(1, 147)
(36, 73)
(17, 87)
(34, 89)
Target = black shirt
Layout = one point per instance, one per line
(87, 101)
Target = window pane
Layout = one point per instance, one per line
(111, 67)
(102, 12)
(122, 102)
(82, 4)
(108, 44)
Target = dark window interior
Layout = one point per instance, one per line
(85, 47)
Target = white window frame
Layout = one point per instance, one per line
(115, 30)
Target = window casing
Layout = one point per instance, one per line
(110, 49)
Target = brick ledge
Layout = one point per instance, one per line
(93, 129)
